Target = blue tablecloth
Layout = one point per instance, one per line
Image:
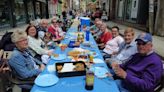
(77, 84)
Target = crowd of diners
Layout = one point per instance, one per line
(132, 62)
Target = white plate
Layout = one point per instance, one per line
(100, 72)
(97, 60)
(46, 80)
(60, 57)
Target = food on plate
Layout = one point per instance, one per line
(63, 47)
(59, 67)
(79, 67)
(74, 53)
(55, 55)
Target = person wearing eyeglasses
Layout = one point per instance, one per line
(23, 65)
(143, 72)
(56, 31)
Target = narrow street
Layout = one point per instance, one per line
(47, 31)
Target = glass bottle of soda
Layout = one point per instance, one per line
(89, 80)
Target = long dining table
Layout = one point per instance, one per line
(76, 83)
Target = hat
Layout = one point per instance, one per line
(18, 35)
(145, 37)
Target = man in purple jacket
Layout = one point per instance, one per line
(143, 72)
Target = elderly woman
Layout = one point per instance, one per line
(56, 31)
(36, 45)
(127, 50)
(22, 63)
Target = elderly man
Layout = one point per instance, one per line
(97, 32)
(42, 28)
(143, 72)
(23, 65)
(94, 28)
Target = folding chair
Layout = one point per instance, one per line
(12, 78)
(160, 86)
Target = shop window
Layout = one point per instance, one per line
(30, 11)
(38, 12)
(4, 14)
(19, 11)
(43, 10)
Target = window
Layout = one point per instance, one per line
(19, 11)
(30, 11)
(4, 14)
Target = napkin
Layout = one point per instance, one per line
(68, 67)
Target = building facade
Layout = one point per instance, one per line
(16, 12)
(131, 11)
(104, 6)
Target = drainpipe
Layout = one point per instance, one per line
(151, 16)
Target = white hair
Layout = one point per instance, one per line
(18, 35)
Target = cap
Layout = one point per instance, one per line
(145, 37)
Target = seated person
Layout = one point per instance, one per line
(128, 48)
(49, 44)
(42, 28)
(94, 28)
(37, 46)
(97, 32)
(60, 25)
(56, 31)
(23, 65)
(114, 44)
(104, 37)
(143, 72)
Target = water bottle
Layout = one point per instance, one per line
(87, 35)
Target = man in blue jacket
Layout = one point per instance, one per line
(143, 72)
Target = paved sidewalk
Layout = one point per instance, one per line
(158, 42)
(22, 27)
